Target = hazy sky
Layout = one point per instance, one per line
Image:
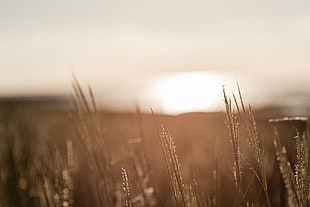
(118, 46)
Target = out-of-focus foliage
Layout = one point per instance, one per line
(70, 153)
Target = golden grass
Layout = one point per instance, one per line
(44, 173)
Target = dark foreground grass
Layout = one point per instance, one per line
(78, 156)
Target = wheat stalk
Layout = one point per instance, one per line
(255, 143)
(286, 171)
(98, 155)
(233, 127)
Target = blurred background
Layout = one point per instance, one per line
(144, 51)
(168, 55)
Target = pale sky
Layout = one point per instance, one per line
(119, 46)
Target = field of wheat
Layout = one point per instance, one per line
(72, 153)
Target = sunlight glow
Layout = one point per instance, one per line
(188, 92)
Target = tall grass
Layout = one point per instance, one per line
(90, 132)
(296, 181)
(255, 159)
(40, 171)
(233, 127)
(33, 172)
(185, 195)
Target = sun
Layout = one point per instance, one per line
(189, 92)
